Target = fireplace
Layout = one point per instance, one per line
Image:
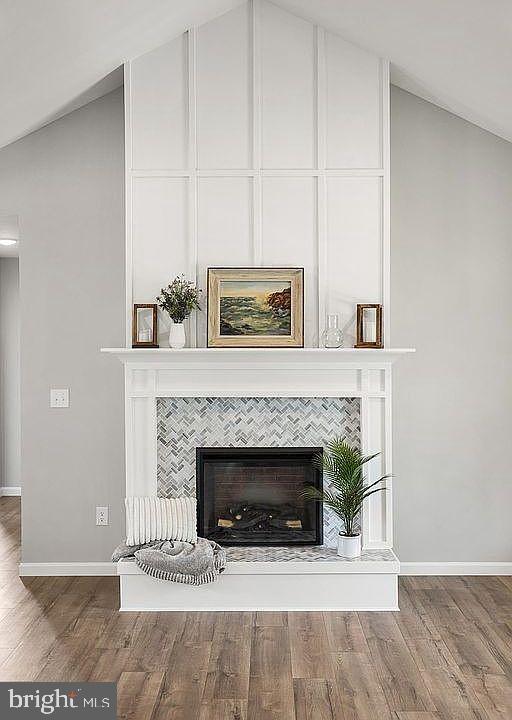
(252, 496)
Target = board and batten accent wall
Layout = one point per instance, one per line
(259, 139)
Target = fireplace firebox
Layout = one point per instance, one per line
(252, 496)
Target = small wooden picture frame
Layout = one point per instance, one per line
(145, 326)
(369, 326)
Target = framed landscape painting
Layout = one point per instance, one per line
(255, 307)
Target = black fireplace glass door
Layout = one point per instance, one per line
(253, 496)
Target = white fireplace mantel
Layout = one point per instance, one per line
(308, 372)
(305, 372)
(235, 372)
(209, 357)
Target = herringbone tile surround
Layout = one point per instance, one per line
(187, 423)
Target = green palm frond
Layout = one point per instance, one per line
(345, 487)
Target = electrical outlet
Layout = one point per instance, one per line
(59, 398)
(102, 515)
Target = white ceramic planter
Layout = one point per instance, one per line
(177, 336)
(349, 547)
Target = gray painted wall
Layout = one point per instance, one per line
(451, 255)
(451, 214)
(66, 184)
(10, 426)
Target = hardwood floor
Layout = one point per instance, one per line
(446, 655)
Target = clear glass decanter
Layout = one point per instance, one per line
(332, 337)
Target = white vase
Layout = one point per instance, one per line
(177, 336)
(349, 547)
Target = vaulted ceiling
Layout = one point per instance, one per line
(57, 54)
(53, 53)
(454, 53)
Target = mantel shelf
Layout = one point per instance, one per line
(210, 357)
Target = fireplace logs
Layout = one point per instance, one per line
(258, 518)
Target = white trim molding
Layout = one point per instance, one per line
(14, 490)
(455, 568)
(287, 372)
(407, 569)
(68, 569)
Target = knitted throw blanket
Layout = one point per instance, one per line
(182, 562)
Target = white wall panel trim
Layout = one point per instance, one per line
(192, 183)
(386, 201)
(192, 98)
(264, 172)
(128, 144)
(227, 172)
(321, 185)
(259, 22)
(257, 210)
(321, 89)
(322, 253)
(193, 251)
(257, 217)
(256, 83)
(161, 173)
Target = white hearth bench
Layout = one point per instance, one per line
(279, 579)
(304, 579)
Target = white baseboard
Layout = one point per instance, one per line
(67, 568)
(456, 568)
(406, 568)
(7, 491)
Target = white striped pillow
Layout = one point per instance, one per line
(151, 518)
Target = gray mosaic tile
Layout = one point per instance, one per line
(301, 554)
(183, 424)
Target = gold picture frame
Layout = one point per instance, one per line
(255, 307)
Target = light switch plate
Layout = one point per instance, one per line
(59, 397)
(102, 513)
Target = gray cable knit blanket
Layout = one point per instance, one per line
(180, 562)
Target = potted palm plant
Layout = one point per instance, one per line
(345, 490)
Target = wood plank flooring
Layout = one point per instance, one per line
(447, 654)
